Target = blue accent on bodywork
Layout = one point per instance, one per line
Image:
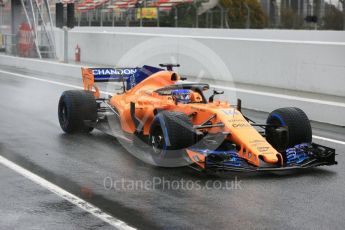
(298, 154)
(132, 76)
(232, 158)
(140, 75)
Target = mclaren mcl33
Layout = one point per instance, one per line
(175, 120)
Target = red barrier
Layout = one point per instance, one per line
(26, 41)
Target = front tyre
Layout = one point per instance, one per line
(75, 107)
(297, 123)
(170, 134)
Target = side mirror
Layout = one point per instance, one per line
(215, 92)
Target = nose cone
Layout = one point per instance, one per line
(270, 158)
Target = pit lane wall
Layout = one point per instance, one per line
(308, 61)
(267, 69)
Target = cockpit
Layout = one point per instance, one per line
(185, 93)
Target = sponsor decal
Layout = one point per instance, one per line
(257, 141)
(241, 125)
(230, 112)
(112, 74)
(263, 149)
(111, 71)
(236, 120)
(198, 109)
(147, 13)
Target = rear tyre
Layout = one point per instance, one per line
(297, 123)
(170, 134)
(75, 107)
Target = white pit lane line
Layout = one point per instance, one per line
(47, 81)
(107, 93)
(118, 224)
(329, 140)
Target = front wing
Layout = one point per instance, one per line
(299, 157)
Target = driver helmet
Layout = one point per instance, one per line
(181, 95)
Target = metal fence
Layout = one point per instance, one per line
(213, 18)
(280, 16)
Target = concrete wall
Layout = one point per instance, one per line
(307, 61)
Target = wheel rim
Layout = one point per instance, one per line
(275, 123)
(271, 136)
(63, 113)
(158, 141)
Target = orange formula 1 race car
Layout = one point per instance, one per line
(177, 123)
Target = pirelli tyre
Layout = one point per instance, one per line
(170, 133)
(295, 121)
(76, 107)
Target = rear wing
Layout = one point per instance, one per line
(92, 75)
(130, 77)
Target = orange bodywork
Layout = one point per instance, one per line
(89, 81)
(253, 146)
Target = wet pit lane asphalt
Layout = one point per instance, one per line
(98, 169)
